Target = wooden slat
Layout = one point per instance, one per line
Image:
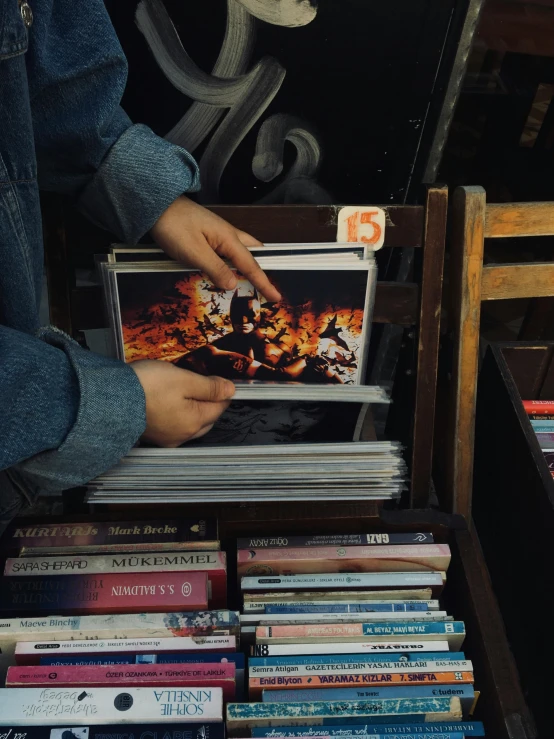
(395, 302)
(428, 345)
(305, 223)
(527, 280)
(506, 220)
(467, 265)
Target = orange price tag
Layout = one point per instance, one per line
(361, 224)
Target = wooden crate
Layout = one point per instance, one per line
(513, 504)
(468, 594)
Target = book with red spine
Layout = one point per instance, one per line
(30, 653)
(317, 560)
(539, 407)
(120, 593)
(212, 562)
(111, 536)
(221, 675)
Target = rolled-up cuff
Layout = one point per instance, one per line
(110, 419)
(137, 181)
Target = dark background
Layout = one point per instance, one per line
(364, 74)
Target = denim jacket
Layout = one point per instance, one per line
(66, 414)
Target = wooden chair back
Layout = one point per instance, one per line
(414, 305)
(473, 282)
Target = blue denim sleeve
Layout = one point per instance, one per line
(122, 176)
(71, 414)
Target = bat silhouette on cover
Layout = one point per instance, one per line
(332, 331)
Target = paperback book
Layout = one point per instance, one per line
(452, 631)
(305, 560)
(333, 540)
(467, 728)
(95, 628)
(29, 653)
(241, 716)
(86, 730)
(353, 581)
(66, 707)
(103, 594)
(139, 676)
(465, 693)
(114, 536)
(213, 563)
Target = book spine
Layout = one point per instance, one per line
(259, 600)
(29, 653)
(74, 594)
(354, 659)
(321, 560)
(400, 645)
(353, 581)
(213, 563)
(115, 731)
(294, 684)
(424, 605)
(46, 706)
(539, 407)
(292, 619)
(339, 540)
(97, 533)
(453, 631)
(341, 673)
(170, 658)
(139, 676)
(247, 715)
(465, 693)
(466, 728)
(543, 427)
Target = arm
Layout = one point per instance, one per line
(122, 176)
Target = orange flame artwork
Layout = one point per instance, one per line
(315, 334)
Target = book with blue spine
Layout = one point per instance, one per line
(329, 659)
(452, 631)
(543, 427)
(242, 716)
(465, 693)
(259, 602)
(348, 673)
(368, 607)
(467, 728)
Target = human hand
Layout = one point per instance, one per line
(189, 233)
(180, 405)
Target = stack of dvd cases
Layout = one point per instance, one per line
(299, 426)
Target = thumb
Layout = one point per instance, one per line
(211, 389)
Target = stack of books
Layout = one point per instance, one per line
(103, 624)
(347, 638)
(299, 426)
(541, 415)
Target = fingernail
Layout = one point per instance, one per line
(229, 389)
(231, 283)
